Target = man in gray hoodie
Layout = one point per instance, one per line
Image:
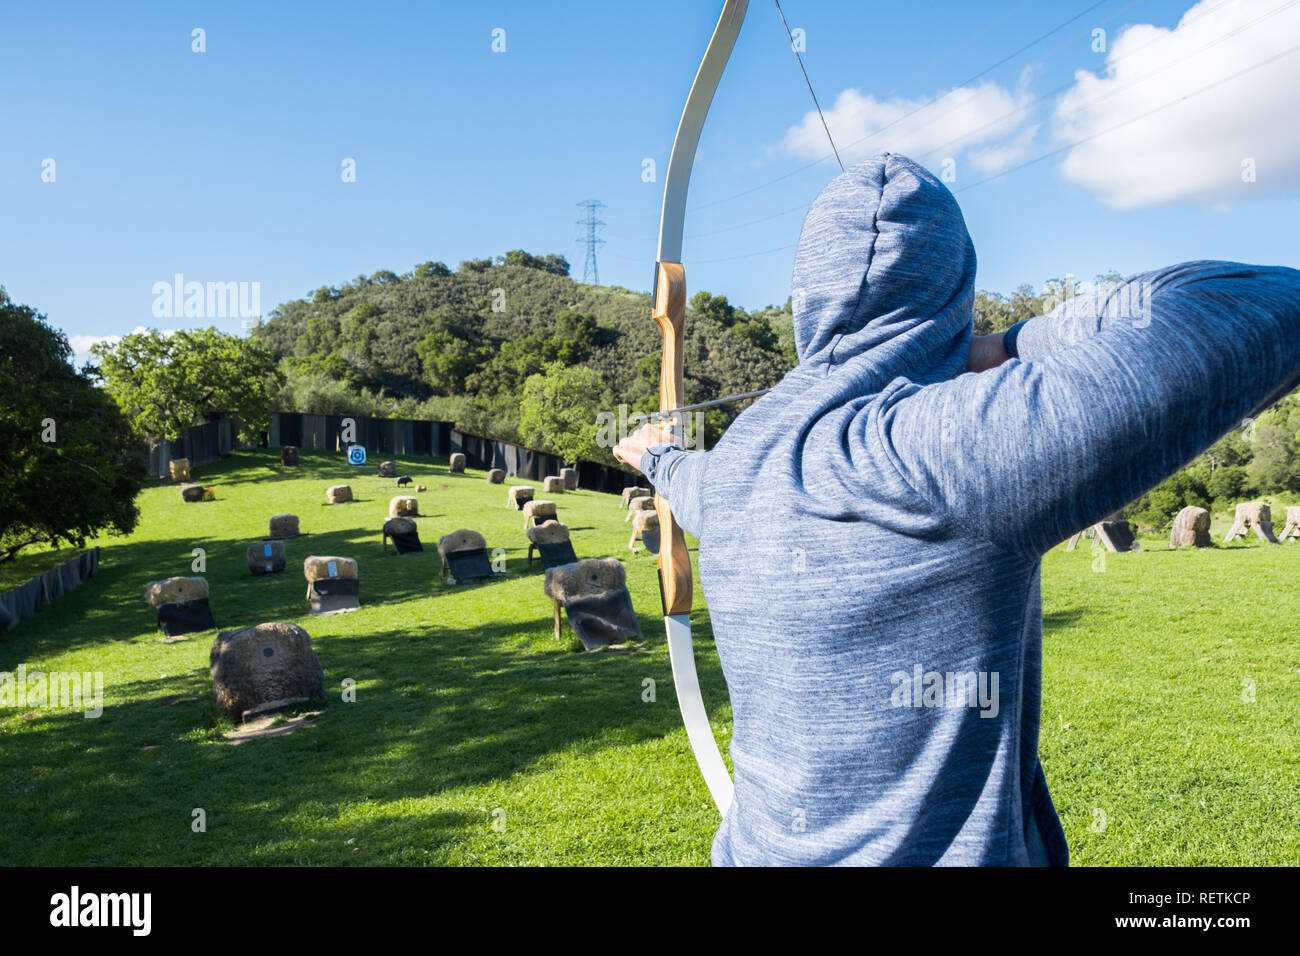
(871, 531)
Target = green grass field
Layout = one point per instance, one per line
(477, 738)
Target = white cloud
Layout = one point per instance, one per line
(81, 344)
(994, 159)
(1194, 149)
(928, 129)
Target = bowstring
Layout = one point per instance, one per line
(811, 92)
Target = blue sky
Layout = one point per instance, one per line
(225, 165)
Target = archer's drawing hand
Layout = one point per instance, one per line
(986, 352)
(631, 448)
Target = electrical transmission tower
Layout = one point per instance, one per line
(591, 223)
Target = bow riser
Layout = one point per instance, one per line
(675, 582)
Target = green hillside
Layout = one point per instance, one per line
(459, 346)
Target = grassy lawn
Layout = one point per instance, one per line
(1153, 752)
(478, 738)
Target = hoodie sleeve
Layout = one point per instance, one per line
(1110, 394)
(678, 476)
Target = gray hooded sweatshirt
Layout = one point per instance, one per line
(871, 531)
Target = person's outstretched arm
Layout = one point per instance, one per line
(1104, 398)
(675, 474)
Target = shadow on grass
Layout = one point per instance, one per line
(111, 607)
(436, 709)
(250, 466)
(1063, 618)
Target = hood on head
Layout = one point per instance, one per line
(884, 279)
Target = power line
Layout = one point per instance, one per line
(1038, 98)
(749, 255)
(1124, 86)
(817, 162)
(1072, 145)
(591, 223)
(794, 172)
(1084, 139)
(924, 106)
(971, 79)
(802, 207)
(1131, 120)
(955, 50)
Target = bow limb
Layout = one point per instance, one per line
(675, 582)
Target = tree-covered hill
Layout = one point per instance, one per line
(459, 345)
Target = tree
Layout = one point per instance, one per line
(451, 349)
(992, 313)
(556, 265)
(70, 467)
(165, 384)
(1228, 482)
(431, 269)
(1158, 507)
(559, 412)
(1232, 449)
(1273, 467)
(573, 335)
(779, 338)
(715, 307)
(1056, 291)
(757, 332)
(1024, 304)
